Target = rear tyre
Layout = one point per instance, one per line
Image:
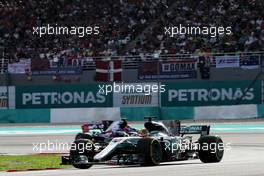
(211, 149)
(150, 152)
(81, 153)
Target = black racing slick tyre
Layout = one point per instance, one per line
(211, 149)
(82, 153)
(149, 151)
(82, 136)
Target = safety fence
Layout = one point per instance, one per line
(75, 66)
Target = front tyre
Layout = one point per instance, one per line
(211, 149)
(150, 152)
(82, 153)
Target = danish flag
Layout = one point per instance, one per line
(108, 70)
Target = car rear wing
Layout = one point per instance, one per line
(175, 128)
(195, 129)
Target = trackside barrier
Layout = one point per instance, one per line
(138, 113)
(165, 113)
(180, 113)
(226, 112)
(80, 115)
(75, 115)
(260, 109)
(173, 95)
(25, 116)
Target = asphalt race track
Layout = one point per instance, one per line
(245, 158)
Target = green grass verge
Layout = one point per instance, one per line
(24, 162)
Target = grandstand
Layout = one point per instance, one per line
(131, 31)
(128, 27)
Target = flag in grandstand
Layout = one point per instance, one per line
(108, 70)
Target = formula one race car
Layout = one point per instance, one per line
(158, 142)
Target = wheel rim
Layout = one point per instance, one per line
(219, 153)
(155, 152)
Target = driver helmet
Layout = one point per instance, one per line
(143, 132)
(85, 128)
(123, 124)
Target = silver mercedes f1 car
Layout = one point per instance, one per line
(159, 142)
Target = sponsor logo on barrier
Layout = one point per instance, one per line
(227, 61)
(59, 71)
(178, 66)
(214, 93)
(61, 97)
(45, 98)
(210, 95)
(137, 94)
(179, 69)
(136, 99)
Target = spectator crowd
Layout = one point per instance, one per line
(245, 17)
(128, 27)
